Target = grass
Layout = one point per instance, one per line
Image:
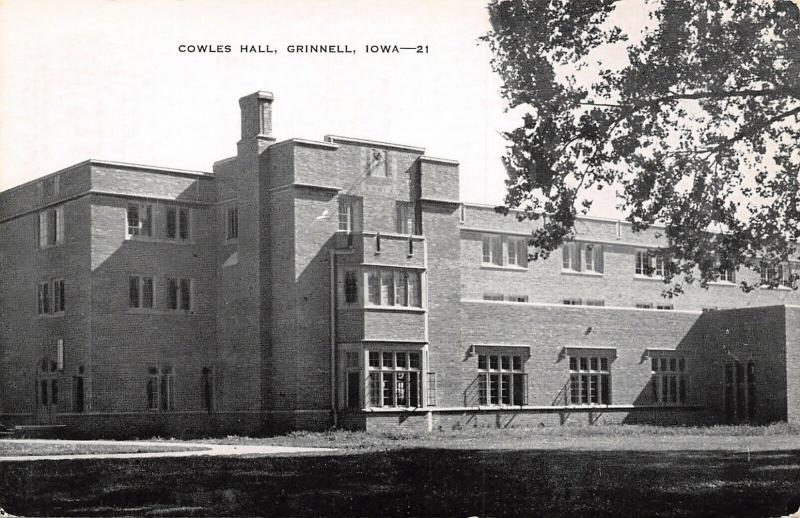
(623, 437)
(641, 471)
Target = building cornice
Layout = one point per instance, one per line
(445, 161)
(373, 143)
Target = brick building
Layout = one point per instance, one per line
(305, 284)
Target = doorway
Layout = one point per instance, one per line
(740, 392)
(47, 391)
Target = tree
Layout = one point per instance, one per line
(694, 122)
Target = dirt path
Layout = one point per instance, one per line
(198, 449)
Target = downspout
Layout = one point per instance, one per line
(333, 337)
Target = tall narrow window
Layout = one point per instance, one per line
(152, 388)
(233, 223)
(404, 218)
(59, 304)
(571, 257)
(172, 293)
(207, 381)
(350, 287)
(517, 252)
(172, 222)
(140, 292)
(349, 213)
(42, 229)
(493, 249)
(43, 297)
(186, 294)
(134, 296)
(183, 223)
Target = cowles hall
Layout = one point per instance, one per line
(307, 284)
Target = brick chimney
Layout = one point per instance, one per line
(256, 115)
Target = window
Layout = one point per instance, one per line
(207, 381)
(140, 292)
(349, 213)
(644, 305)
(501, 380)
(780, 275)
(649, 265)
(517, 251)
(665, 306)
(492, 296)
(493, 250)
(59, 304)
(44, 298)
(51, 227)
(177, 222)
(350, 287)
(517, 298)
(233, 223)
(668, 379)
(160, 388)
(595, 302)
(582, 257)
(727, 272)
(140, 220)
(514, 248)
(395, 379)
(589, 379)
(78, 394)
(405, 219)
(394, 288)
(179, 294)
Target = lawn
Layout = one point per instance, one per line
(542, 472)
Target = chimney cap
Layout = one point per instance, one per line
(260, 95)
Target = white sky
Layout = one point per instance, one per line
(103, 79)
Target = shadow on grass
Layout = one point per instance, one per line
(414, 482)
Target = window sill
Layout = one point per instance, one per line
(404, 309)
(640, 277)
(776, 288)
(51, 315)
(168, 241)
(161, 312)
(582, 274)
(723, 284)
(507, 268)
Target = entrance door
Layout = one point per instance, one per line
(353, 392)
(47, 393)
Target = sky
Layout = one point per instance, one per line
(104, 79)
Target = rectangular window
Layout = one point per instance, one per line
(501, 380)
(186, 294)
(160, 388)
(595, 302)
(492, 249)
(350, 213)
(183, 223)
(665, 306)
(43, 297)
(573, 302)
(140, 292)
(350, 287)
(649, 264)
(172, 223)
(140, 220)
(395, 379)
(178, 222)
(517, 252)
(172, 294)
(582, 257)
(50, 227)
(727, 272)
(394, 288)
(405, 218)
(589, 380)
(233, 223)
(518, 298)
(644, 305)
(668, 379)
(59, 304)
(492, 296)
